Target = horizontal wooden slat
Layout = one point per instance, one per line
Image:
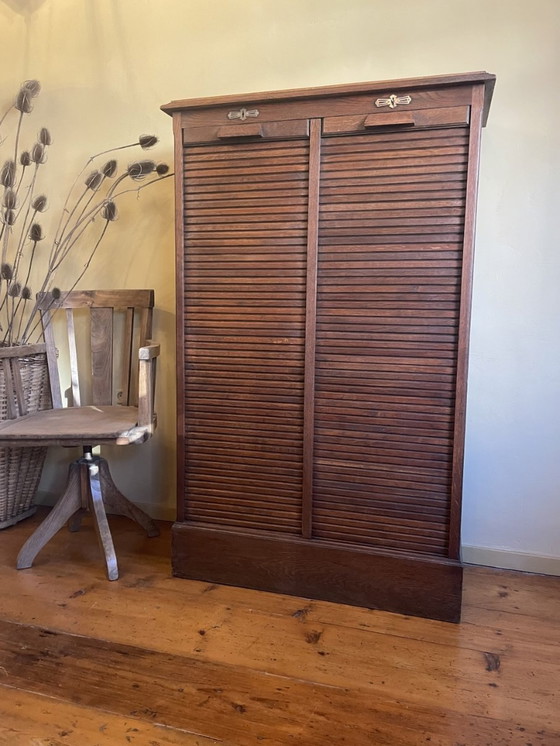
(386, 236)
(372, 166)
(394, 460)
(382, 500)
(379, 525)
(242, 426)
(431, 548)
(238, 513)
(389, 141)
(428, 179)
(251, 448)
(356, 436)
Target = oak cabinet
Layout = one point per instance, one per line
(325, 246)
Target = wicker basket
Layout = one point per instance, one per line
(20, 468)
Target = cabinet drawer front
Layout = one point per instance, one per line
(448, 116)
(293, 128)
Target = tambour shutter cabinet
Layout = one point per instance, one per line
(325, 246)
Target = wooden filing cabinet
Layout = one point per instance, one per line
(324, 260)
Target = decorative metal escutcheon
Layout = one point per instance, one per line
(243, 114)
(393, 101)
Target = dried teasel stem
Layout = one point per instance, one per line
(19, 206)
(92, 253)
(25, 296)
(18, 131)
(14, 292)
(35, 235)
(144, 141)
(142, 186)
(71, 238)
(63, 247)
(92, 182)
(27, 335)
(34, 205)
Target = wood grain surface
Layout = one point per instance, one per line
(159, 660)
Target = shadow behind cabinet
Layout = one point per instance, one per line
(325, 241)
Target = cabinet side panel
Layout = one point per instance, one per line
(465, 321)
(390, 261)
(179, 297)
(244, 324)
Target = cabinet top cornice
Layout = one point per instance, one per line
(436, 81)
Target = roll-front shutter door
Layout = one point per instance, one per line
(389, 273)
(245, 257)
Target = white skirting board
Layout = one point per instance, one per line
(508, 559)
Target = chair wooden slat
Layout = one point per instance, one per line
(145, 325)
(102, 355)
(73, 351)
(127, 357)
(48, 334)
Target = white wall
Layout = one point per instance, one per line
(107, 65)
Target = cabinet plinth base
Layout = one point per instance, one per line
(320, 570)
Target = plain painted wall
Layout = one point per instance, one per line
(107, 65)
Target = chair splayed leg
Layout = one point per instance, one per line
(90, 488)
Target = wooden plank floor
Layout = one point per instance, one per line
(153, 660)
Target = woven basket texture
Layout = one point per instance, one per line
(20, 468)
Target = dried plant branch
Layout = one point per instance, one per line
(20, 234)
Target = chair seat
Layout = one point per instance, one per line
(73, 426)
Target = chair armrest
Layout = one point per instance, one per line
(149, 351)
(147, 358)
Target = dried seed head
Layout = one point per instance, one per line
(25, 158)
(33, 86)
(162, 168)
(10, 217)
(110, 168)
(36, 232)
(94, 180)
(26, 293)
(147, 141)
(6, 272)
(109, 211)
(140, 169)
(10, 199)
(14, 290)
(38, 153)
(23, 101)
(45, 136)
(55, 293)
(8, 174)
(39, 204)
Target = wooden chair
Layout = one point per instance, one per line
(114, 404)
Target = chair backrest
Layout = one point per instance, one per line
(103, 358)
